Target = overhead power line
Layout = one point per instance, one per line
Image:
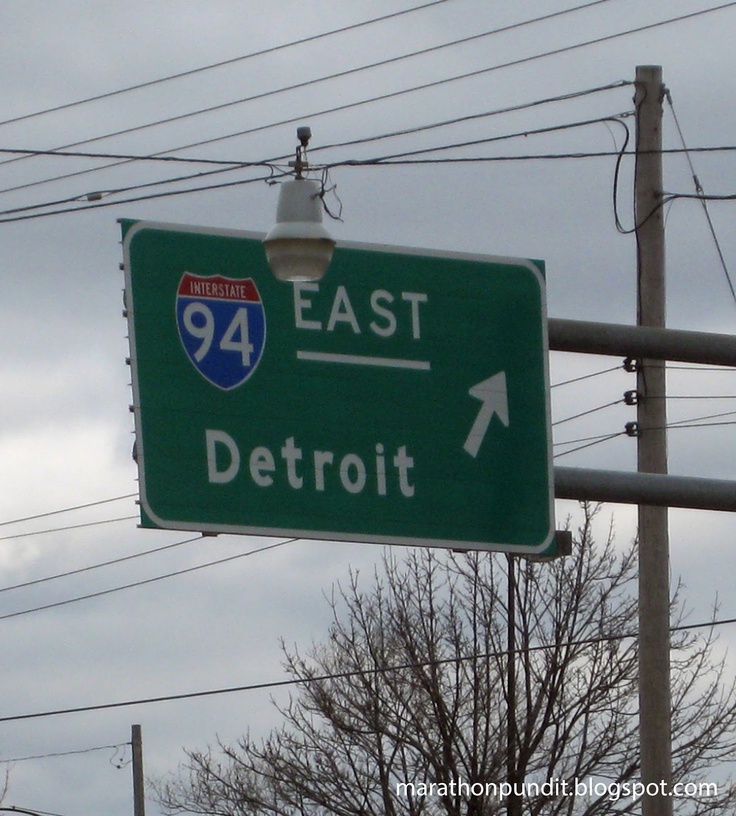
(98, 204)
(589, 411)
(336, 75)
(395, 94)
(675, 423)
(617, 118)
(474, 117)
(315, 81)
(56, 754)
(621, 83)
(66, 528)
(681, 424)
(586, 376)
(68, 509)
(346, 675)
(22, 212)
(290, 88)
(275, 177)
(111, 562)
(703, 201)
(406, 158)
(97, 195)
(26, 812)
(590, 442)
(232, 61)
(234, 164)
(141, 157)
(455, 78)
(146, 581)
(521, 157)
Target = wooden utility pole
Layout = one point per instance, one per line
(139, 802)
(654, 588)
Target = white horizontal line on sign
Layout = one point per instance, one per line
(355, 359)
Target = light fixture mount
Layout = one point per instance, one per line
(298, 247)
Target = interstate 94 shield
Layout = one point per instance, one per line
(222, 327)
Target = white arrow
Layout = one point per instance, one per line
(492, 393)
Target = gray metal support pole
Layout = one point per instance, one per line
(654, 590)
(617, 340)
(139, 802)
(585, 484)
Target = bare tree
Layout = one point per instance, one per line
(404, 708)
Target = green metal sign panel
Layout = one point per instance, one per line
(402, 399)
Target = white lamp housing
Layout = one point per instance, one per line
(299, 248)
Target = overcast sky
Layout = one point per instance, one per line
(66, 432)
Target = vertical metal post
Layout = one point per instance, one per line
(139, 802)
(513, 803)
(654, 599)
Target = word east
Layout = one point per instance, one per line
(379, 473)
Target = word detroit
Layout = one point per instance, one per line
(317, 469)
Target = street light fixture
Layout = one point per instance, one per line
(298, 247)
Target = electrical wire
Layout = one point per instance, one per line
(436, 83)
(221, 64)
(346, 675)
(698, 368)
(239, 163)
(16, 809)
(590, 442)
(593, 154)
(65, 529)
(355, 163)
(68, 509)
(315, 81)
(92, 567)
(682, 426)
(586, 376)
(618, 118)
(13, 215)
(81, 154)
(234, 165)
(586, 413)
(56, 754)
(391, 159)
(98, 204)
(703, 201)
(694, 197)
(146, 581)
(252, 130)
(475, 116)
(697, 397)
(93, 196)
(674, 423)
(695, 422)
(98, 195)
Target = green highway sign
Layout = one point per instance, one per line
(403, 399)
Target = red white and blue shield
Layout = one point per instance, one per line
(222, 327)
